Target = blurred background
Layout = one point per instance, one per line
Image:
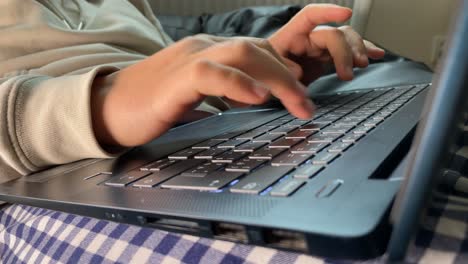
(415, 29)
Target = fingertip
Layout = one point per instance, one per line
(346, 74)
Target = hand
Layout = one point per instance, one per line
(141, 102)
(307, 47)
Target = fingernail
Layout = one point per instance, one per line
(260, 90)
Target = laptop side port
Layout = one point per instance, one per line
(231, 232)
(177, 225)
(286, 240)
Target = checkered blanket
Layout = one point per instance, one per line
(35, 235)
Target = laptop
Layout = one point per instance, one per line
(260, 176)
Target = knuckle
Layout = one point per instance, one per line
(200, 68)
(193, 41)
(244, 47)
(337, 33)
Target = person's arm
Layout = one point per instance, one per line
(47, 121)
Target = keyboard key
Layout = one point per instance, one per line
(207, 144)
(324, 158)
(320, 138)
(313, 127)
(307, 171)
(158, 165)
(245, 165)
(252, 134)
(290, 159)
(334, 131)
(285, 143)
(301, 134)
(227, 136)
(203, 169)
(210, 153)
(299, 122)
(126, 178)
(351, 138)
(266, 153)
(260, 179)
(309, 148)
(211, 182)
(250, 146)
(283, 130)
(229, 157)
(185, 154)
(232, 143)
(267, 138)
(339, 147)
(362, 130)
(287, 187)
(157, 177)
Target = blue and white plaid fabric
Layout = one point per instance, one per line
(35, 235)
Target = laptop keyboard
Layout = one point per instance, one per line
(278, 157)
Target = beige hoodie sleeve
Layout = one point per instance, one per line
(47, 121)
(47, 71)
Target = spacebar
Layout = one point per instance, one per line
(260, 179)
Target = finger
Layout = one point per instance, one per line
(214, 79)
(357, 46)
(373, 51)
(333, 40)
(262, 66)
(310, 17)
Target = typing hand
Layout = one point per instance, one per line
(308, 47)
(141, 102)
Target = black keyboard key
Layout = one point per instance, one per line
(324, 158)
(312, 127)
(210, 153)
(260, 179)
(229, 157)
(287, 187)
(245, 165)
(290, 159)
(298, 122)
(302, 134)
(334, 131)
(266, 153)
(232, 143)
(211, 182)
(267, 138)
(285, 143)
(321, 138)
(252, 134)
(126, 178)
(250, 146)
(158, 165)
(227, 136)
(185, 154)
(307, 171)
(351, 138)
(362, 130)
(203, 169)
(283, 130)
(339, 147)
(207, 144)
(309, 148)
(160, 176)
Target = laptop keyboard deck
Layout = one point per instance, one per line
(278, 157)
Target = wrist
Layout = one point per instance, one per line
(99, 94)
